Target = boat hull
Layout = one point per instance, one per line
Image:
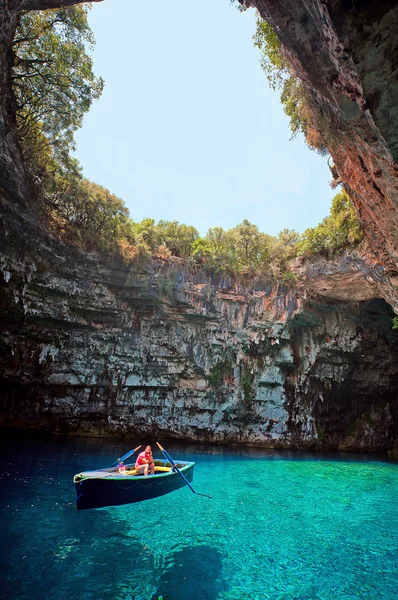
(117, 490)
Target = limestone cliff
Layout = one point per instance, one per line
(345, 52)
(153, 349)
(92, 346)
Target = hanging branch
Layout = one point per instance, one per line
(41, 4)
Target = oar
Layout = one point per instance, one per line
(171, 461)
(125, 457)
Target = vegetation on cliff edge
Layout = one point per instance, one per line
(297, 103)
(54, 86)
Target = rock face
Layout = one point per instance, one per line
(99, 348)
(106, 349)
(346, 53)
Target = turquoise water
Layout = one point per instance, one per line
(280, 526)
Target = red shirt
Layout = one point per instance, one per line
(142, 457)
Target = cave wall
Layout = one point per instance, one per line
(93, 347)
(346, 54)
(347, 376)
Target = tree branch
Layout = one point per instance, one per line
(43, 4)
(47, 26)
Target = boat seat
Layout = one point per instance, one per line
(157, 470)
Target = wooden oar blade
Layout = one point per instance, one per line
(171, 461)
(125, 457)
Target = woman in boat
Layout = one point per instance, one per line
(144, 462)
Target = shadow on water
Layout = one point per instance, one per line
(95, 452)
(193, 573)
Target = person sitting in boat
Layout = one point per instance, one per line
(121, 468)
(144, 462)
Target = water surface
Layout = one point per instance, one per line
(280, 526)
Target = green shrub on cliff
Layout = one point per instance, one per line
(221, 374)
(252, 249)
(247, 385)
(178, 237)
(282, 249)
(167, 238)
(147, 232)
(217, 251)
(296, 101)
(86, 213)
(246, 251)
(242, 250)
(341, 229)
(272, 61)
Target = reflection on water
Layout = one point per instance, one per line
(281, 525)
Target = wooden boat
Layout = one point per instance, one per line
(110, 487)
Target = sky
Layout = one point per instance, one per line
(187, 128)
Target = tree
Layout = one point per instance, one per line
(178, 237)
(251, 246)
(147, 232)
(201, 250)
(12, 175)
(282, 249)
(221, 251)
(217, 239)
(43, 4)
(340, 230)
(88, 214)
(52, 78)
(239, 250)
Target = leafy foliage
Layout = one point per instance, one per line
(89, 215)
(54, 85)
(217, 251)
(242, 249)
(272, 61)
(296, 101)
(251, 246)
(246, 382)
(282, 248)
(340, 230)
(167, 237)
(53, 80)
(221, 373)
(178, 237)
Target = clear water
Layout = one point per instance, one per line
(280, 526)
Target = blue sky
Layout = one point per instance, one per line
(187, 128)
